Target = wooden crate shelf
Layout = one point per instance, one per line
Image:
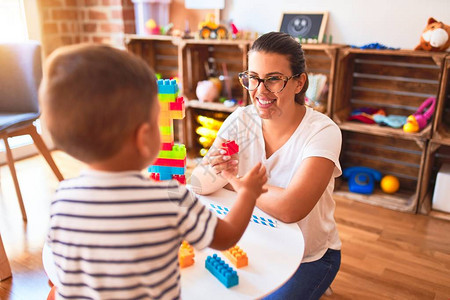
(402, 158)
(322, 59)
(397, 81)
(437, 154)
(441, 133)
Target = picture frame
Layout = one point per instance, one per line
(305, 24)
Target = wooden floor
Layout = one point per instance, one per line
(385, 254)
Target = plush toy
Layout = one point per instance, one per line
(435, 37)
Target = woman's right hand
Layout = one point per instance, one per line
(219, 161)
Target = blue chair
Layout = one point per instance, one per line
(20, 76)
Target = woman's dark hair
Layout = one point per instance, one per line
(283, 43)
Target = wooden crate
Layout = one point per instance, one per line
(161, 52)
(441, 126)
(437, 154)
(402, 158)
(194, 55)
(322, 58)
(397, 81)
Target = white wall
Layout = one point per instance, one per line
(394, 23)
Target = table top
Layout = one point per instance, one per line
(274, 252)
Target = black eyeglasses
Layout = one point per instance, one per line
(274, 83)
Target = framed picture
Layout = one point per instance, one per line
(305, 24)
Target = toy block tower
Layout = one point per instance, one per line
(171, 161)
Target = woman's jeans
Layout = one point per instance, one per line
(311, 279)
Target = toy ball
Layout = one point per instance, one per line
(389, 184)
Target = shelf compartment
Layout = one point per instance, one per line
(397, 81)
(322, 59)
(399, 157)
(437, 155)
(160, 52)
(441, 133)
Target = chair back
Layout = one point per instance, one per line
(20, 76)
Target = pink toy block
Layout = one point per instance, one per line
(180, 178)
(178, 105)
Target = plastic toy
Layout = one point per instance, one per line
(435, 36)
(390, 184)
(361, 180)
(230, 147)
(207, 91)
(186, 255)
(420, 118)
(375, 46)
(210, 30)
(237, 256)
(151, 27)
(394, 121)
(171, 161)
(222, 271)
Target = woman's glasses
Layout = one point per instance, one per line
(274, 83)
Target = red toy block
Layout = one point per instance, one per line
(231, 147)
(170, 162)
(167, 146)
(178, 105)
(180, 178)
(237, 256)
(154, 176)
(186, 255)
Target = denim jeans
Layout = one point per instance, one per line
(311, 279)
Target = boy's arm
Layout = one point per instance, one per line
(231, 228)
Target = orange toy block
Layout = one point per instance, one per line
(186, 255)
(237, 256)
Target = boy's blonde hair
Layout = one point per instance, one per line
(94, 97)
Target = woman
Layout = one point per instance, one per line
(300, 150)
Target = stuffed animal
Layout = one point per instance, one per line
(435, 37)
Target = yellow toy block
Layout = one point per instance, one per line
(237, 256)
(166, 138)
(165, 121)
(186, 255)
(177, 114)
(164, 106)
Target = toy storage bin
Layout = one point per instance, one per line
(442, 120)
(145, 10)
(322, 59)
(196, 54)
(438, 154)
(397, 81)
(388, 155)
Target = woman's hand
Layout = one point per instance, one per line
(219, 161)
(252, 184)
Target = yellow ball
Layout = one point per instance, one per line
(390, 184)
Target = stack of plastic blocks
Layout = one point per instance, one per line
(171, 162)
(237, 256)
(222, 271)
(186, 255)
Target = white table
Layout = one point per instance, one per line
(274, 254)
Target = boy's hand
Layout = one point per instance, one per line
(219, 162)
(252, 183)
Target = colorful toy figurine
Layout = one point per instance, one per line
(420, 118)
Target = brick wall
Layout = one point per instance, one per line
(65, 22)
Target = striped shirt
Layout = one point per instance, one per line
(116, 235)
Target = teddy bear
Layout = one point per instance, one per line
(435, 37)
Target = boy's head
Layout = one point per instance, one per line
(94, 98)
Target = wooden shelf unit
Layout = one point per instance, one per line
(322, 59)
(397, 81)
(441, 124)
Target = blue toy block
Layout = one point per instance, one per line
(221, 271)
(167, 86)
(165, 176)
(167, 170)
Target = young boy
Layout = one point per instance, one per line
(115, 234)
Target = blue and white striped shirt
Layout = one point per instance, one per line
(116, 235)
